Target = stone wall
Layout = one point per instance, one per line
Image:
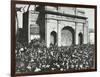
(57, 23)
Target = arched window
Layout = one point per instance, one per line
(53, 38)
(80, 38)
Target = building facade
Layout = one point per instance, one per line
(62, 26)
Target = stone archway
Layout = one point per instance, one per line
(67, 36)
(53, 37)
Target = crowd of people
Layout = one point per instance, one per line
(36, 57)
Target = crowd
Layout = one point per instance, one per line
(36, 57)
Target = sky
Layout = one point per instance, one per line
(89, 12)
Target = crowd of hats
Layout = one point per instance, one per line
(36, 57)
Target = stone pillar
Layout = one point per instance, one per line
(76, 34)
(85, 32)
(59, 33)
(48, 38)
(59, 37)
(47, 33)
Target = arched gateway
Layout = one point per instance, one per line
(53, 38)
(80, 38)
(67, 36)
(57, 26)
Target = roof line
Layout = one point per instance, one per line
(68, 15)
